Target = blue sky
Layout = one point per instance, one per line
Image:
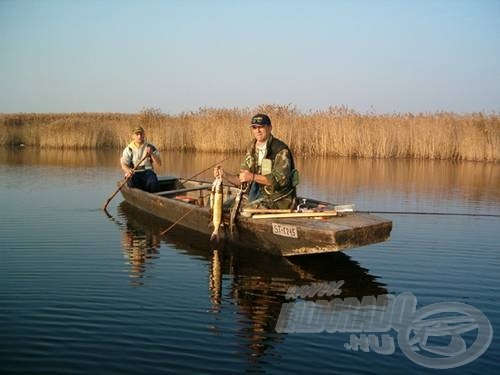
(372, 56)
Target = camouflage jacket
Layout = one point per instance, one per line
(278, 169)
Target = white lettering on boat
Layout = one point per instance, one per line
(285, 230)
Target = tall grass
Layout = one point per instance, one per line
(337, 131)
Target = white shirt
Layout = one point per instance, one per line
(261, 152)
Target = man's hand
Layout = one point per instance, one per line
(246, 176)
(218, 172)
(129, 173)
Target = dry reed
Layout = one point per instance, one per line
(337, 131)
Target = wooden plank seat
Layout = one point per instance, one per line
(185, 190)
(186, 199)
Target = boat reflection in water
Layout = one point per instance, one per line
(139, 247)
(254, 282)
(140, 244)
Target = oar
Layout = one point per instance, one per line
(123, 183)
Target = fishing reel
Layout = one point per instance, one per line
(245, 187)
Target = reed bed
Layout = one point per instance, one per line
(337, 131)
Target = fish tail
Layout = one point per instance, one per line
(215, 236)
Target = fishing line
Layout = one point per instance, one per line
(206, 169)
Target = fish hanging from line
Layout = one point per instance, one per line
(216, 200)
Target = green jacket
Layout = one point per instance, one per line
(279, 170)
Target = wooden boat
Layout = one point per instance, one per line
(319, 228)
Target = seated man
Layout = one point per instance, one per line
(268, 171)
(141, 176)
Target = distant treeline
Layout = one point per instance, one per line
(337, 131)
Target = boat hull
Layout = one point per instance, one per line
(279, 236)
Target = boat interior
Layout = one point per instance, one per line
(197, 192)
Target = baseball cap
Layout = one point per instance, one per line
(138, 129)
(261, 120)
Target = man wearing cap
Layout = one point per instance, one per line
(141, 176)
(268, 169)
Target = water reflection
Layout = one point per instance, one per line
(140, 246)
(333, 179)
(138, 249)
(60, 158)
(366, 179)
(259, 286)
(215, 280)
(253, 283)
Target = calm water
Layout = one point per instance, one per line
(82, 292)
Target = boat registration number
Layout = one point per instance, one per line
(285, 230)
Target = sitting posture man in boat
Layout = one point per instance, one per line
(268, 171)
(137, 162)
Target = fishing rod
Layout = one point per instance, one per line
(427, 213)
(206, 169)
(352, 209)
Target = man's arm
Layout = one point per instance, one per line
(247, 176)
(282, 169)
(125, 162)
(154, 154)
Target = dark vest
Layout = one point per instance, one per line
(273, 148)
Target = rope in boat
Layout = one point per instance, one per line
(177, 221)
(204, 196)
(182, 217)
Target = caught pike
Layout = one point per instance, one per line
(216, 201)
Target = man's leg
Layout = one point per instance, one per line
(254, 192)
(151, 181)
(134, 181)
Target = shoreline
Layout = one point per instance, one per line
(334, 132)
